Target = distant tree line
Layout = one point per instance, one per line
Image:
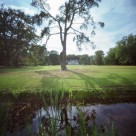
(85, 59)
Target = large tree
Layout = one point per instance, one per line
(73, 18)
(16, 34)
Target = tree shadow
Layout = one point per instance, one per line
(88, 82)
(124, 80)
(110, 80)
(50, 81)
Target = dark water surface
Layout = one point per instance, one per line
(121, 115)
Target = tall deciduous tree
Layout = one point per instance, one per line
(71, 13)
(16, 34)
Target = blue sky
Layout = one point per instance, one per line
(119, 17)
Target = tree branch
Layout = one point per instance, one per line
(73, 15)
(71, 33)
(49, 37)
(76, 30)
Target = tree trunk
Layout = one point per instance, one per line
(63, 55)
(63, 62)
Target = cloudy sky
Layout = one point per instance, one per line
(119, 17)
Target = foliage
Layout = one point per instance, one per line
(124, 53)
(111, 57)
(17, 33)
(37, 55)
(99, 57)
(84, 59)
(53, 58)
(92, 60)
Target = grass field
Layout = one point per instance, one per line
(76, 78)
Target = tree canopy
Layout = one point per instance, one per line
(17, 33)
(124, 53)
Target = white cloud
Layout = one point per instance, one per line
(125, 7)
(29, 11)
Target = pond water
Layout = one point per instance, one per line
(120, 116)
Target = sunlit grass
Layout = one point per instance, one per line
(77, 77)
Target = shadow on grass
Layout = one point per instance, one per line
(55, 82)
(124, 80)
(110, 81)
(51, 81)
(88, 82)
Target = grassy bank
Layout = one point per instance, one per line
(76, 78)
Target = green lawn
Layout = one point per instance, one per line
(77, 77)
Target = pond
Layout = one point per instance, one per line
(82, 113)
(117, 119)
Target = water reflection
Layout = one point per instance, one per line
(84, 119)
